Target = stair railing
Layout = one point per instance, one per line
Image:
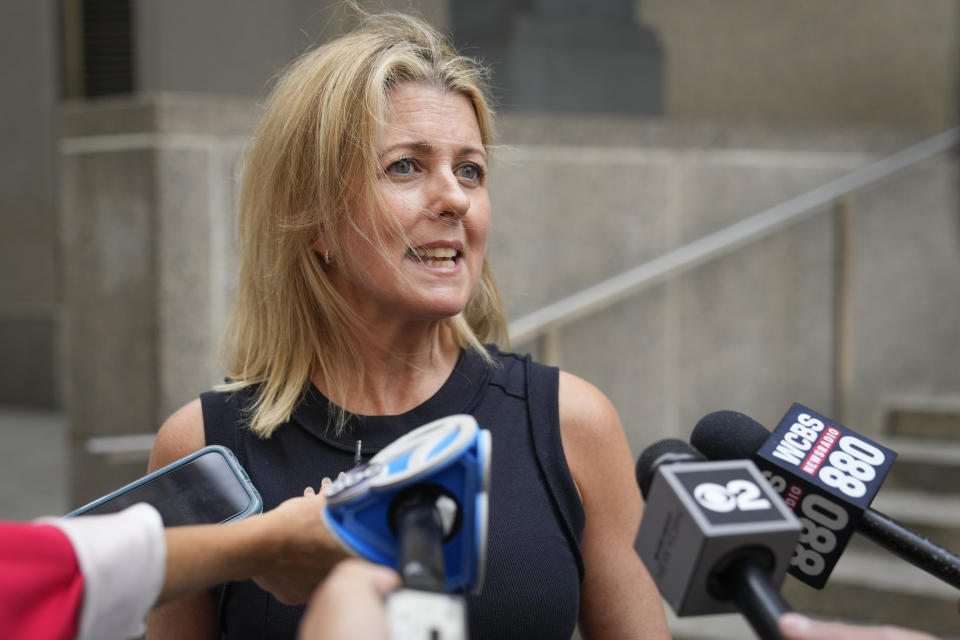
(545, 324)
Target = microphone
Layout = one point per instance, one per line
(714, 536)
(828, 475)
(420, 506)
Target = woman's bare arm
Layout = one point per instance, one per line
(619, 598)
(288, 551)
(192, 617)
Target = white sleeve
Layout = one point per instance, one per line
(123, 560)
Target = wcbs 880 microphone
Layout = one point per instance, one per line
(828, 475)
(714, 536)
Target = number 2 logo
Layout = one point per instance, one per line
(737, 494)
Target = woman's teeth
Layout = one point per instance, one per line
(440, 257)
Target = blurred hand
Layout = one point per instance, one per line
(349, 605)
(794, 626)
(302, 551)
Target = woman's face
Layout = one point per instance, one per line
(433, 183)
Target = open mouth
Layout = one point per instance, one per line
(438, 257)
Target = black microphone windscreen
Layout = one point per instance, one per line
(666, 450)
(728, 435)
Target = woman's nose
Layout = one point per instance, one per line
(449, 197)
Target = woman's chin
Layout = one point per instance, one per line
(439, 309)
(443, 302)
(442, 312)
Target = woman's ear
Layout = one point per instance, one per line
(322, 248)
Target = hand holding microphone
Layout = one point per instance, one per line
(350, 603)
(797, 627)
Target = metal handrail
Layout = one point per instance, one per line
(720, 243)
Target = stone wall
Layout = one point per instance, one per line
(878, 62)
(888, 63)
(149, 186)
(28, 205)
(577, 201)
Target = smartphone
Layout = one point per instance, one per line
(206, 487)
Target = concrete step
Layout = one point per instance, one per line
(878, 588)
(930, 418)
(926, 465)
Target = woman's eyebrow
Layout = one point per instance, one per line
(416, 147)
(425, 148)
(469, 150)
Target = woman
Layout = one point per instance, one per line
(363, 302)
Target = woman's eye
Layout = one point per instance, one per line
(470, 172)
(402, 167)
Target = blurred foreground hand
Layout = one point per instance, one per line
(794, 626)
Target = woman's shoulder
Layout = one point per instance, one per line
(501, 357)
(518, 374)
(584, 410)
(185, 430)
(518, 360)
(179, 435)
(588, 419)
(581, 401)
(226, 400)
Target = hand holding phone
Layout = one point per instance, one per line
(299, 550)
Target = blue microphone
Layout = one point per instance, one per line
(420, 506)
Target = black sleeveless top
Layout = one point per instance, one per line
(534, 566)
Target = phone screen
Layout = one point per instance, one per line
(204, 490)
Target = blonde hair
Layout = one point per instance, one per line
(311, 156)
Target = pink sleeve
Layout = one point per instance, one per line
(41, 587)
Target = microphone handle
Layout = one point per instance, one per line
(420, 537)
(758, 601)
(911, 546)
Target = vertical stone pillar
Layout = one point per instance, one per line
(28, 284)
(147, 201)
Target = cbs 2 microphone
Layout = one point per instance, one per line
(828, 475)
(714, 536)
(420, 506)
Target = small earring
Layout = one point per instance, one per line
(326, 256)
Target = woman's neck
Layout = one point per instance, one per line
(400, 371)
